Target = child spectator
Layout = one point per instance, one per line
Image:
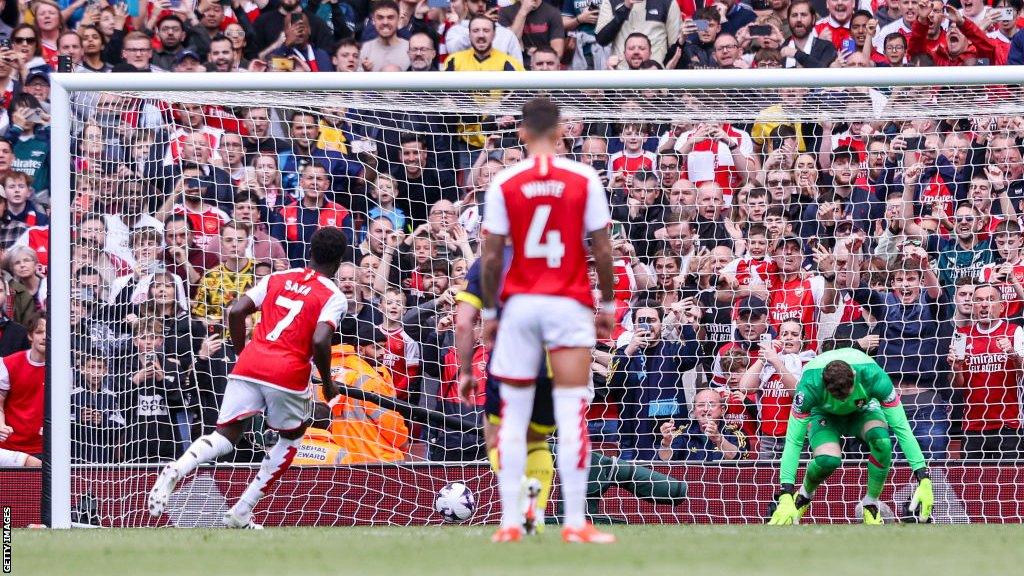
(96, 419)
(401, 352)
(383, 192)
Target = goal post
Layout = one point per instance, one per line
(652, 98)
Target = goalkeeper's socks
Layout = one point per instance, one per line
(541, 466)
(517, 405)
(205, 449)
(573, 451)
(274, 465)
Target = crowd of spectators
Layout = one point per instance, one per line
(742, 249)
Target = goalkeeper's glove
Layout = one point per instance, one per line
(920, 506)
(786, 512)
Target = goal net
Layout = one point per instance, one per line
(755, 226)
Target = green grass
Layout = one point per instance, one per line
(452, 551)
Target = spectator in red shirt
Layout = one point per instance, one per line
(988, 369)
(836, 26)
(22, 400)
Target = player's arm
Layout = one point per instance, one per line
(322, 357)
(596, 218)
(466, 313)
(240, 310)
(326, 325)
(880, 387)
(492, 258)
(491, 263)
(796, 433)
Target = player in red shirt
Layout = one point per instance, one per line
(547, 207)
(299, 313)
(988, 368)
(23, 400)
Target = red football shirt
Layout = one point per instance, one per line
(292, 303)
(1011, 300)
(992, 378)
(25, 383)
(205, 224)
(547, 206)
(402, 357)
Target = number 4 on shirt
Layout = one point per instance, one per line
(540, 245)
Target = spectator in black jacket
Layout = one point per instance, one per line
(804, 48)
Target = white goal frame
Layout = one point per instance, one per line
(57, 465)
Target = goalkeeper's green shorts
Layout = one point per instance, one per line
(825, 428)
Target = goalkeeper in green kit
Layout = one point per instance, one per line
(845, 393)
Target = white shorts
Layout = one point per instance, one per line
(532, 322)
(285, 411)
(12, 459)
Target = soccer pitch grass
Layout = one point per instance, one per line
(451, 551)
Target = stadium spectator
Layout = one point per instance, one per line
(27, 288)
(909, 321)
(22, 378)
(537, 24)
(805, 48)
(263, 246)
(988, 370)
(222, 284)
(658, 20)
(272, 28)
(97, 422)
(313, 210)
(707, 439)
(387, 49)
(646, 374)
(459, 37)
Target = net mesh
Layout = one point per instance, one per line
(753, 229)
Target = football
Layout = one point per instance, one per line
(455, 503)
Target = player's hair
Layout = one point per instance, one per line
(328, 246)
(540, 116)
(838, 379)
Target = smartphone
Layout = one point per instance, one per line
(760, 30)
(361, 146)
(850, 45)
(643, 327)
(915, 142)
(439, 3)
(702, 25)
(296, 17)
(5, 43)
(281, 64)
(982, 62)
(1006, 14)
(35, 115)
(600, 166)
(765, 339)
(64, 63)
